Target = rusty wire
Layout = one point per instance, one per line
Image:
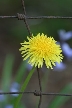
(36, 93)
(29, 31)
(24, 17)
(40, 87)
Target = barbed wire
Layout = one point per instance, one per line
(25, 19)
(22, 16)
(36, 93)
(29, 31)
(40, 87)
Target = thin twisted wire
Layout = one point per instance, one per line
(25, 19)
(36, 93)
(28, 28)
(40, 100)
(37, 17)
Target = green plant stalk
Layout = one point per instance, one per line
(24, 87)
(19, 77)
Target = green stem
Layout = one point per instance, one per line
(23, 87)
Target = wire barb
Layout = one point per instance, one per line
(37, 93)
(21, 16)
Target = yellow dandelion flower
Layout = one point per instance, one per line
(41, 49)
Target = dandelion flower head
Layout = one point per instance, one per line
(40, 49)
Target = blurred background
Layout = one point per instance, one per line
(13, 71)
